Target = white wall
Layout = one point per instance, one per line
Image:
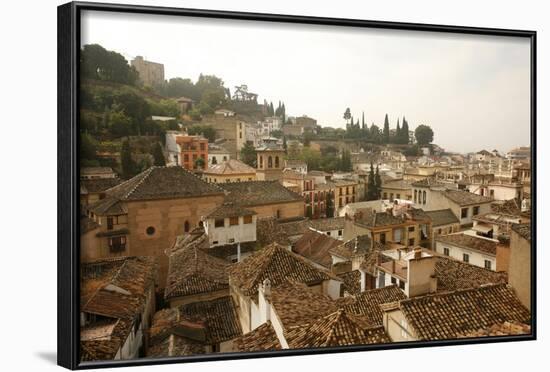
(476, 258)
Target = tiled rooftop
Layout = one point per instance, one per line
(524, 230)
(442, 217)
(470, 242)
(449, 315)
(277, 264)
(230, 167)
(227, 210)
(315, 247)
(367, 303)
(252, 193)
(464, 198)
(453, 275)
(262, 338)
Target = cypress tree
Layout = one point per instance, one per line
(126, 161)
(386, 130)
(158, 156)
(371, 185)
(405, 130)
(378, 183)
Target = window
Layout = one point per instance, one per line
(385, 195)
(439, 231)
(383, 238)
(276, 162)
(270, 162)
(109, 223)
(328, 233)
(391, 196)
(219, 222)
(117, 244)
(492, 193)
(398, 196)
(402, 285)
(215, 242)
(201, 146)
(488, 265)
(411, 228)
(411, 242)
(186, 226)
(233, 221)
(150, 230)
(415, 192)
(446, 251)
(393, 280)
(339, 232)
(465, 257)
(476, 210)
(185, 158)
(464, 213)
(261, 161)
(232, 240)
(247, 219)
(423, 197)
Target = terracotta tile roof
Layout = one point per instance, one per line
(219, 317)
(98, 185)
(192, 271)
(260, 339)
(367, 303)
(360, 245)
(467, 241)
(108, 207)
(227, 210)
(163, 182)
(442, 217)
(115, 289)
(296, 304)
(373, 258)
(94, 347)
(371, 219)
(253, 193)
(171, 334)
(448, 315)
(428, 182)
(175, 346)
(352, 282)
(277, 264)
(230, 167)
(294, 229)
(315, 247)
(86, 171)
(501, 329)
(506, 207)
(339, 328)
(195, 325)
(269, 230)
(453, 275)
(464, 198)
(225, 252)
(328, 224)
(397, 184)
(523, 229)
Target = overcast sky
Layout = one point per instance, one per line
(472, 90)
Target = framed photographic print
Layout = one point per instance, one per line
(238, 185)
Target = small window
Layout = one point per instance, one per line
(328, 233)
(150, 230)
(465, 257)
(402, 285)
(393, 280)
(339, 232)
(219, 222)
(464, 213)
(186, 226)
(233, 221)
(232, 240)
(411, 228)
(488, 264)
(476, 210)
(247, 219)
(446, 251)
(215, 242)
(383, 238)
(398, 196)
(411, 242)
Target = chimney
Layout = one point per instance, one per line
(363, 280)
(264, 293)
(417, 253)
(421, 278)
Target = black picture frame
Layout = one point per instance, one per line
(69, 21)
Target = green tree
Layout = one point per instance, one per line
(330, 204)
(98, 63)
(386, 130)
(88, 147)
(397, 138)
(374, 134)
(378, 183)
(248, 154)
(405, 131)
(158, 155)
(120, 124)
(345, 161)
(205, 130)
(372, 192)
(199, 163)
(129, 166)
(424, 135)
(347, 115)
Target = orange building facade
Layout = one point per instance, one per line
(192, 148)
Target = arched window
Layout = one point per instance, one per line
(276, 162)
(270, 162)
(415, 193)
(423, 197)
(214, 160)
(186, 226)
(261, 161)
